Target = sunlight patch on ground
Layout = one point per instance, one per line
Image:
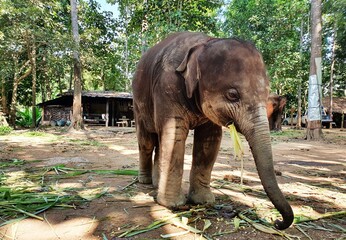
(64, 160)
(316, 178)
(77, 228)
(323, 194)
(123, 150)
(28, 140)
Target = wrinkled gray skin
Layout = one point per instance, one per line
(192, 81)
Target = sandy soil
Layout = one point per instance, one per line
(312, 176)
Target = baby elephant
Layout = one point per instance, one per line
(193, 81)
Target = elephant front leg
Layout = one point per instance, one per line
(207, 139)
(171, 163)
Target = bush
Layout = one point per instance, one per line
(4, 130)
(24, 117)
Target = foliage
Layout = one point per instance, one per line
(24, 116)
(111, 47)
(143, 23)
(4, 130)
(275, 27)
(334, 29)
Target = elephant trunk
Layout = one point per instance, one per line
(259, 141)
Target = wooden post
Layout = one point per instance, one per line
(342, 119)
(113, 112)
(107, 112)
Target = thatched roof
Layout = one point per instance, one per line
(339, 104)
(104, 94)
(66, 98)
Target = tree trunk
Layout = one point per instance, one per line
(299, 110)
(103, 79)
(60, 71)
(331, 83)
(77, 120)
(32, 57)
(314, 128)
(4, 96)
(46, 82)
(16, 81)
(12, 113)
(71, 78)
(145, 25)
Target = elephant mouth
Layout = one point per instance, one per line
(229, 123)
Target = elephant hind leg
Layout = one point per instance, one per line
(146, 144)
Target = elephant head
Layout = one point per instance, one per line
(275, 107)
(229, 81)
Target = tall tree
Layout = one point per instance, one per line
(314, 128)
(145, 22)
(31, 46)
(334, 47)
(275, 27)
(77, 120)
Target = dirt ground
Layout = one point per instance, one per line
(312, 176)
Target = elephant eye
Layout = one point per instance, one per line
(232, 95)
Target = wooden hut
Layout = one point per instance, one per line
(99, 108)
(339, 108)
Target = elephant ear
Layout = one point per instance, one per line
(282, 102)
(189, 69)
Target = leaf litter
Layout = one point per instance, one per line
(31, 192)
(27, 192)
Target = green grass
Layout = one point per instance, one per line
(11, 163)
(5, 130)
(288, 134)
(44, 136)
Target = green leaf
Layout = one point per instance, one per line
(7, 195)
(236, 223)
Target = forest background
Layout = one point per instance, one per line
(36, 37)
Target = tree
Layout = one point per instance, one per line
(26, 28)
(144, 23)
(31, 46)
(278, 29)
(77, 120)
(334, 47)
(314, 128)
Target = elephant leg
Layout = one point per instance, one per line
(156, 172)
(171, 162)
(207, 139)
(146, 143)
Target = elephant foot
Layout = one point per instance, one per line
(177, 200)
(201, 196)
(145, 179)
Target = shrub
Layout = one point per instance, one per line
(24, 116)
(4, 130)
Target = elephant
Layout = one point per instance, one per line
(275, 107)
(191, 81)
